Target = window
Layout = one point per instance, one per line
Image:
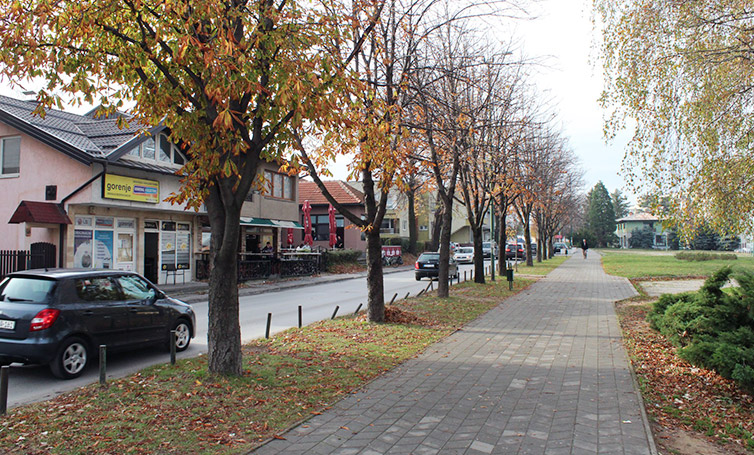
(279, 185)
(389, 226)
(160, 150)
(10, 156)
(96, 289)
(321, 227)
(134, 288)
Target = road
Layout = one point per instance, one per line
(28, 384)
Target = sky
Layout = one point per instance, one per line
(559, 35)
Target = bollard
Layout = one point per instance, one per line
(420, 293)
(4, 389)
(393, 299)
(358, 308)
(299, 317)
(464, 275)
(269, 322)
(173, 336)
(335, 312)
(407, 294)
(103, 360)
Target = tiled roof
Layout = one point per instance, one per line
(82, 136)
(341, 191)
(39, 212)
(639, 217)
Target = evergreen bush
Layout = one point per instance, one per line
(336, 257)
(712, 328)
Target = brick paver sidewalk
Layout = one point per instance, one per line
(543, 373)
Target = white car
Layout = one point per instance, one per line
(464, 254)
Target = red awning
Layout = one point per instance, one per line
(40, 213)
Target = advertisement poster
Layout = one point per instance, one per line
(182, 253)
(82, 248)
(103, 249)
(167, 248)
(131, 189)
(125, 247)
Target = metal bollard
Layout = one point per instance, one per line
(407, 294)
(420, 293)
(269, 322)
(4, 389)
(335, 312)
(103, 360)
(393, 299)
(173, 337)
(300, 317)
(358, 308)
(464, 275)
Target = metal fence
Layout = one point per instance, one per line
(41, 255)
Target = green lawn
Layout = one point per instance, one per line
(656, 264)
(541, 268)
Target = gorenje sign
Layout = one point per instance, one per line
(131, 189)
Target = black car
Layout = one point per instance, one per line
(59, 317)
(428, 265)
(515, 251)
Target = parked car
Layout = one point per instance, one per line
(464, 255)
(560, 247)
(488, 248)
(515, 251)
(59, 317)
(428, 265)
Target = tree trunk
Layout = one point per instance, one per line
(375, 284)
(527, 239)
(540, 242)
(443, 289)
(437, 229)
(224, 331)
(413, 233)
(476, 234)
(503, 241)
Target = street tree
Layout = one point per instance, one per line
(680, 73)
(600, 217)
(230, 80)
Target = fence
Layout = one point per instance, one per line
(41, 255)
(260, 265)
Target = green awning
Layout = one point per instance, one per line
(264, 222)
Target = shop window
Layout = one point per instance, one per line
(321, 227)
(10, 156)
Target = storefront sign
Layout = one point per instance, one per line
(131, 189)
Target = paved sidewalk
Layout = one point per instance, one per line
(543, 373)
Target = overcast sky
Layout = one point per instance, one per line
(561, 36)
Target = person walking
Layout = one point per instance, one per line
(584, 247)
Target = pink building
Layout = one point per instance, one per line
(345, 194)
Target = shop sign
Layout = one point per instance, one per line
(131, 189)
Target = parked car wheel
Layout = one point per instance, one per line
(418, 278)
(71, 359)
(182, 335)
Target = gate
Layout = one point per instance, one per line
(41, 255)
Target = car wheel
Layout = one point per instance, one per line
(71, 359)
(182, 335)
(418, 278)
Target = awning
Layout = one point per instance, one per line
(39, 213)
(264, 222)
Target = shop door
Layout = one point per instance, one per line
(151, 256)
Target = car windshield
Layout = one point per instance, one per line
(25, 289)
(429, 256)
(465, 250)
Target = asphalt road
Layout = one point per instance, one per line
(28, 384)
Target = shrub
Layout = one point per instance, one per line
(713, 329)
(704, 256)
(337, 257)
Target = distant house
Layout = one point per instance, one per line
(625, 227)
(345, 194)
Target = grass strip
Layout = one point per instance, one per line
(300, 372)
(652, 264)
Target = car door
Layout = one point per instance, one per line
(147, 319)
(100, 310)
